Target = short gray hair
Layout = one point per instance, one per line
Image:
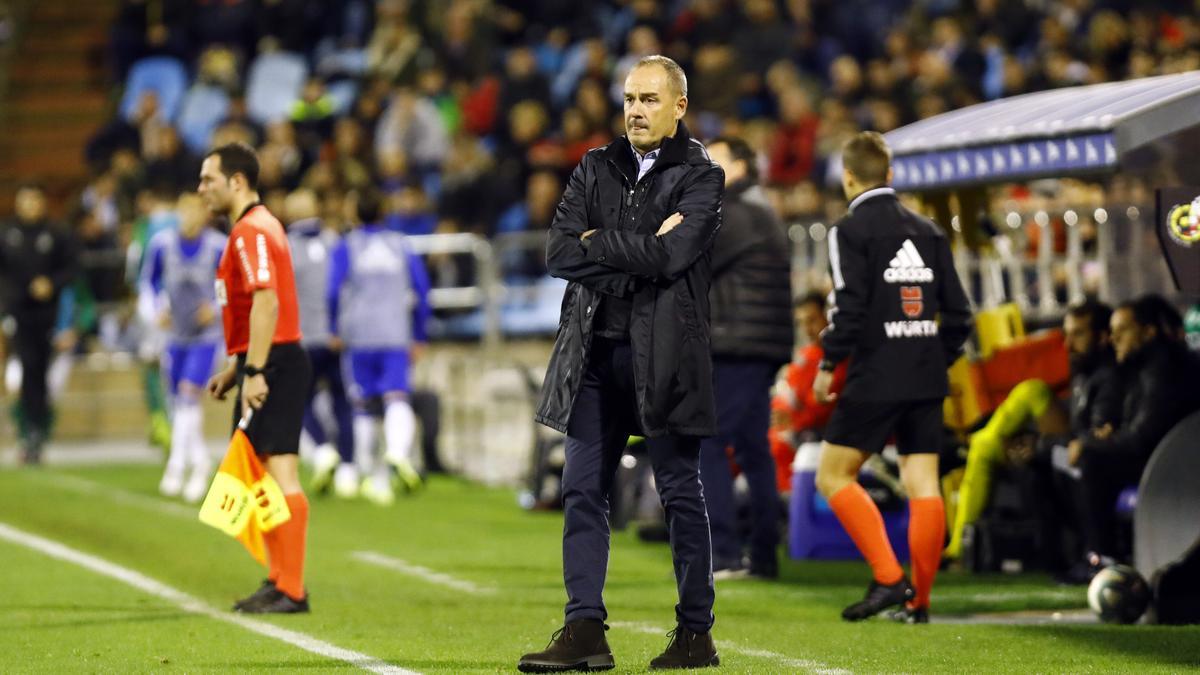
(675, 74)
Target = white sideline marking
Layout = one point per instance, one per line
(120, 496)
(81, 454)
(1001, 596)
(805, 665)
(423, 573)
(938, 596)
(194, 605)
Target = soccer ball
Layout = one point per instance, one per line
(1118, 594)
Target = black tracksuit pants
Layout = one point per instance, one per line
(33, 347)
(1103, 477)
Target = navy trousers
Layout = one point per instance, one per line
(327, 367)
(34, 347)
(602, 420)
(743, 393)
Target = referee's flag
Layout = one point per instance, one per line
(244, 501)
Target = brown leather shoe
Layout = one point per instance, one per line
(687, 649)
(577, 646)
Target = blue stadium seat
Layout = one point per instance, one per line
(273, 85)
(204, 107)
(161, 74)
(534, 311)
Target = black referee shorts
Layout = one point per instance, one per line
(275, 427)
(867, 425)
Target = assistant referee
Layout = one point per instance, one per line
(901, 316)
(256, 289)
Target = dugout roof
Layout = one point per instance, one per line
(1060, 132)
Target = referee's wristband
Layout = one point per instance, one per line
(252, 371)
(827, 366)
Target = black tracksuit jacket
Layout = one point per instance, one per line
(899, 313)
(28, 251)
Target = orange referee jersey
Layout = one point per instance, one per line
(256, 257)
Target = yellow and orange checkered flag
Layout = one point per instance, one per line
(244, 501)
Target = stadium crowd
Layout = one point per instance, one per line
(468, 115)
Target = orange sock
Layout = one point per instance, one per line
(292, 537)
(859, 515)
(275, 554)
(926, 537)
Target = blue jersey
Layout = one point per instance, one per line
(378, 291)
(184, 272)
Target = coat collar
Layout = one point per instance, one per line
(884, 190)
(674, 150)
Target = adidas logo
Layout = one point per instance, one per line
(908, 266)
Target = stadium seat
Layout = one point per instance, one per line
(814, 532)
(204, 107)
(161, 74)
(535, 311)
(998, 327)
(273, 85)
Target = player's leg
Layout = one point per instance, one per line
(365, 370)
(197, 366)
(855, 431)
(150, 352)
(399, 422)
(345, 478)
(1027, 402)
(325, 458)
(984, 451)
(173, 364)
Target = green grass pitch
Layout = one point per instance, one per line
(57, 617)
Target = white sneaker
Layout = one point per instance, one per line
(171, 483)
(378, 491)
(197, 485)
(345, 481)
(731, 573)
(324, 460)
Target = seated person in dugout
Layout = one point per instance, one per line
(1032, 406)
(1157, 378)
(796, 415)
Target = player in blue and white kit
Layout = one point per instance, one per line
(177, 293)
(313, 240)
(378, 305)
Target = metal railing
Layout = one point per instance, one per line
(1119, 263)
(1122, 261)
